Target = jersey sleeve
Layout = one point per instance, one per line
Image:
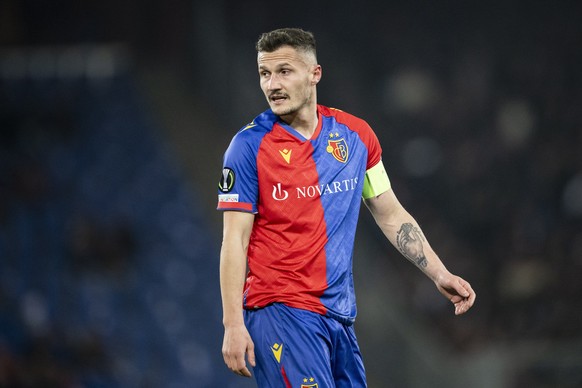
(238, 187)
(373, 144)
(376, 179)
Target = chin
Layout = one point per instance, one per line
(283, 110)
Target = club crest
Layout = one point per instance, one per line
(339, 149)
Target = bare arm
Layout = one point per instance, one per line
(233, 260)
(403, 232)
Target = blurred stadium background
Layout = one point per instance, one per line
(113, 119)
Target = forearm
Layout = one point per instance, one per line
(402, 230)
(405, 234)
(233, 264)
(232, 276)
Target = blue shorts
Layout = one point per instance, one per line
(296, 348)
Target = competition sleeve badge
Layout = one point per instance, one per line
(226, 180)
(338, 148)
(225, 186)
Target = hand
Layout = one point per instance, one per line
(457, 290)
(238, 343)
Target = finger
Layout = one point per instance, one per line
(235, 363)
(462, 308)
(473, 294)
(464, 305)
(459, 310)
(470, 298)
(238, 365)
(245, 372)
(251, 354)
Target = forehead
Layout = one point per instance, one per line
(285, 54)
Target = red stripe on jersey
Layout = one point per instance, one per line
(235, 206)
(286, 255)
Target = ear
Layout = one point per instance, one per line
(316, 74)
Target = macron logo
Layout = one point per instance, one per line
(286, 154)
(277, 349)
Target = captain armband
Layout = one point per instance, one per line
(376, 181)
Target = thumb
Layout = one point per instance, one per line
(462, 288)
(453, 290)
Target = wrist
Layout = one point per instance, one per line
(229, 322)
(439, 274)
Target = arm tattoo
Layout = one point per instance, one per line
(409, 240)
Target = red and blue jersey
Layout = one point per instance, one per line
(306, 196)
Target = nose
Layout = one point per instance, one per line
(273, 83)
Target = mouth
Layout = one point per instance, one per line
(277, 98)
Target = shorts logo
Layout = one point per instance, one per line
(338, 148)
(277, 349)
(227, 180)
(309, 382)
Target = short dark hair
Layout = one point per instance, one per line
(294, 37)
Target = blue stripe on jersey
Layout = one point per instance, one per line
(342, 185)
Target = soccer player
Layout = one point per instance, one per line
(291, 188)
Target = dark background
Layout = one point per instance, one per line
(113, 119)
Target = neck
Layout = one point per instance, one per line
(305, 121)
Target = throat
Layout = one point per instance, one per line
(307, 134)
(306, 128)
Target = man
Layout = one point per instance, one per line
(291, 185)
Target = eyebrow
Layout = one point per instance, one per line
(276, 67)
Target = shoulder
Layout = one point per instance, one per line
(260, 125)
(351, 121)
(360, 127)
(253, 132)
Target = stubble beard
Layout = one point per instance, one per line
(291, 110)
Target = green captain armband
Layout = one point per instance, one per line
(376, 181)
